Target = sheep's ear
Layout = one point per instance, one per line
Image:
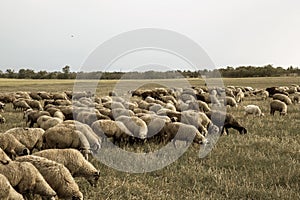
(4, 162)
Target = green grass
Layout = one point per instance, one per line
(263, 164)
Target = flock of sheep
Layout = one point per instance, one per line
(63, 129)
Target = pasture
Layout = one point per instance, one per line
(263, 164)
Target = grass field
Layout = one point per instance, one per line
(263, 164)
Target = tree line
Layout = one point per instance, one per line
(228, 72)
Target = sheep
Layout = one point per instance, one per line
(225, 121)
(11, 146)
(117, 112)
(73, 160)
(230, 101)
(264, 95)
(56, 175)
(59, 96)
(20, 104)
(26, 179)
(108, 128)
(34, 104)
(135, 125)
(240, 95)
(2, 119)
(88, 117)
(63, 136)
(7, 97)
(7, 192)
(32, 138)
(155, 124)
(91, 136)
(203, 107)
(4, 159)
(277, 105)
(183, 132)
(31, 116)
(283, 98)
(44, 95)
(253, 109)
(45, 122)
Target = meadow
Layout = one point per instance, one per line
(263, 164)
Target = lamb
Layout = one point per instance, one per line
(32, 138)
(253, 109)
(63, 136)
(73, 160)
(2, 119)
(283, 98)
(4, 159)
(277, 105)
(108, 128)
(25, 178)
(56, 175)
(225, 121)
(11, 146)
(7, 192)
(135, 125)
(240, 95)
(45, 122)
(183, 132)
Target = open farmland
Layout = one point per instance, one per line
(263, 164)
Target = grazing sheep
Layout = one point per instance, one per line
(32, 138)
(183, 132)
(60, 96)
(117, 112)
(225, 121)
(203, 107)
(11, 146)
(108, 128)
(59, 115)
(230, 101)
(253, 110)
(63, 136)
(73, 160)
(31, 116)
(2, 119)
(155, 124)
(93, 139)
(197, 119)
(7, 192)
(4, 159)
(44, 95)
(34, 104)
(26, 179)
(283, 98)
(45, 122)
(56, 175)
(277, 105)
(20, 104)
(135, 125)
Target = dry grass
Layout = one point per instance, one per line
(264, 164)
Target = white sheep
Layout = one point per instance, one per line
(111, 129)
(63, 136)
(283, 98)
(7, 192)
(45, 122)
(253, 109)
(32, 138)
(93, 139)
(73, 160)
(56, 175)
(277, 105)
(135, 125)
(11, 146)
(25, 178)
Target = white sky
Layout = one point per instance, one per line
(36, 34)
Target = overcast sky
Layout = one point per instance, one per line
(49, 34)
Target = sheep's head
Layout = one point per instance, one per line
(4, 159)
(93, 180)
